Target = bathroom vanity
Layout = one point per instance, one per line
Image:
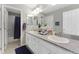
(41, 44)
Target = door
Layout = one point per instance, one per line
(5, 28)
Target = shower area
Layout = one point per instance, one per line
(13, 26)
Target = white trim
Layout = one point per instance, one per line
(10, 7)
(3, 8)
(3, 29)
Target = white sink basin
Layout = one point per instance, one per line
(58, 39)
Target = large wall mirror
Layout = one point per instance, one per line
(71, 22)
(35, 21)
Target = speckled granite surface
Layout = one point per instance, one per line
(73, 45)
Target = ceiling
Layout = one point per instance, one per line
(47, 8)
(13, 11)
(51, 8)
(31, 6)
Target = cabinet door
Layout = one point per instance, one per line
(40, 48)
(27, 39)
(35, 45)
(30, 42)
(52, 48)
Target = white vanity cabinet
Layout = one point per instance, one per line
(53, 48)
(34, 45)
(39, 46)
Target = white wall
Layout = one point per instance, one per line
(11, 19)
(23, 33)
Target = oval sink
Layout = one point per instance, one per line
(58, 39)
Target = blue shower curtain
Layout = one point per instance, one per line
(17, 28)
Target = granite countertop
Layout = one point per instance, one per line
(72, 46)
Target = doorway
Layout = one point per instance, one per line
(12, 29)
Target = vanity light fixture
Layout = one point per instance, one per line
(29, 15)
(35, 12)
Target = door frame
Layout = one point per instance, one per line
(3, 13)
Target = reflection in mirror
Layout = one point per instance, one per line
(35, 22)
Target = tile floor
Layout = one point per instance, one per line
(11, 47)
